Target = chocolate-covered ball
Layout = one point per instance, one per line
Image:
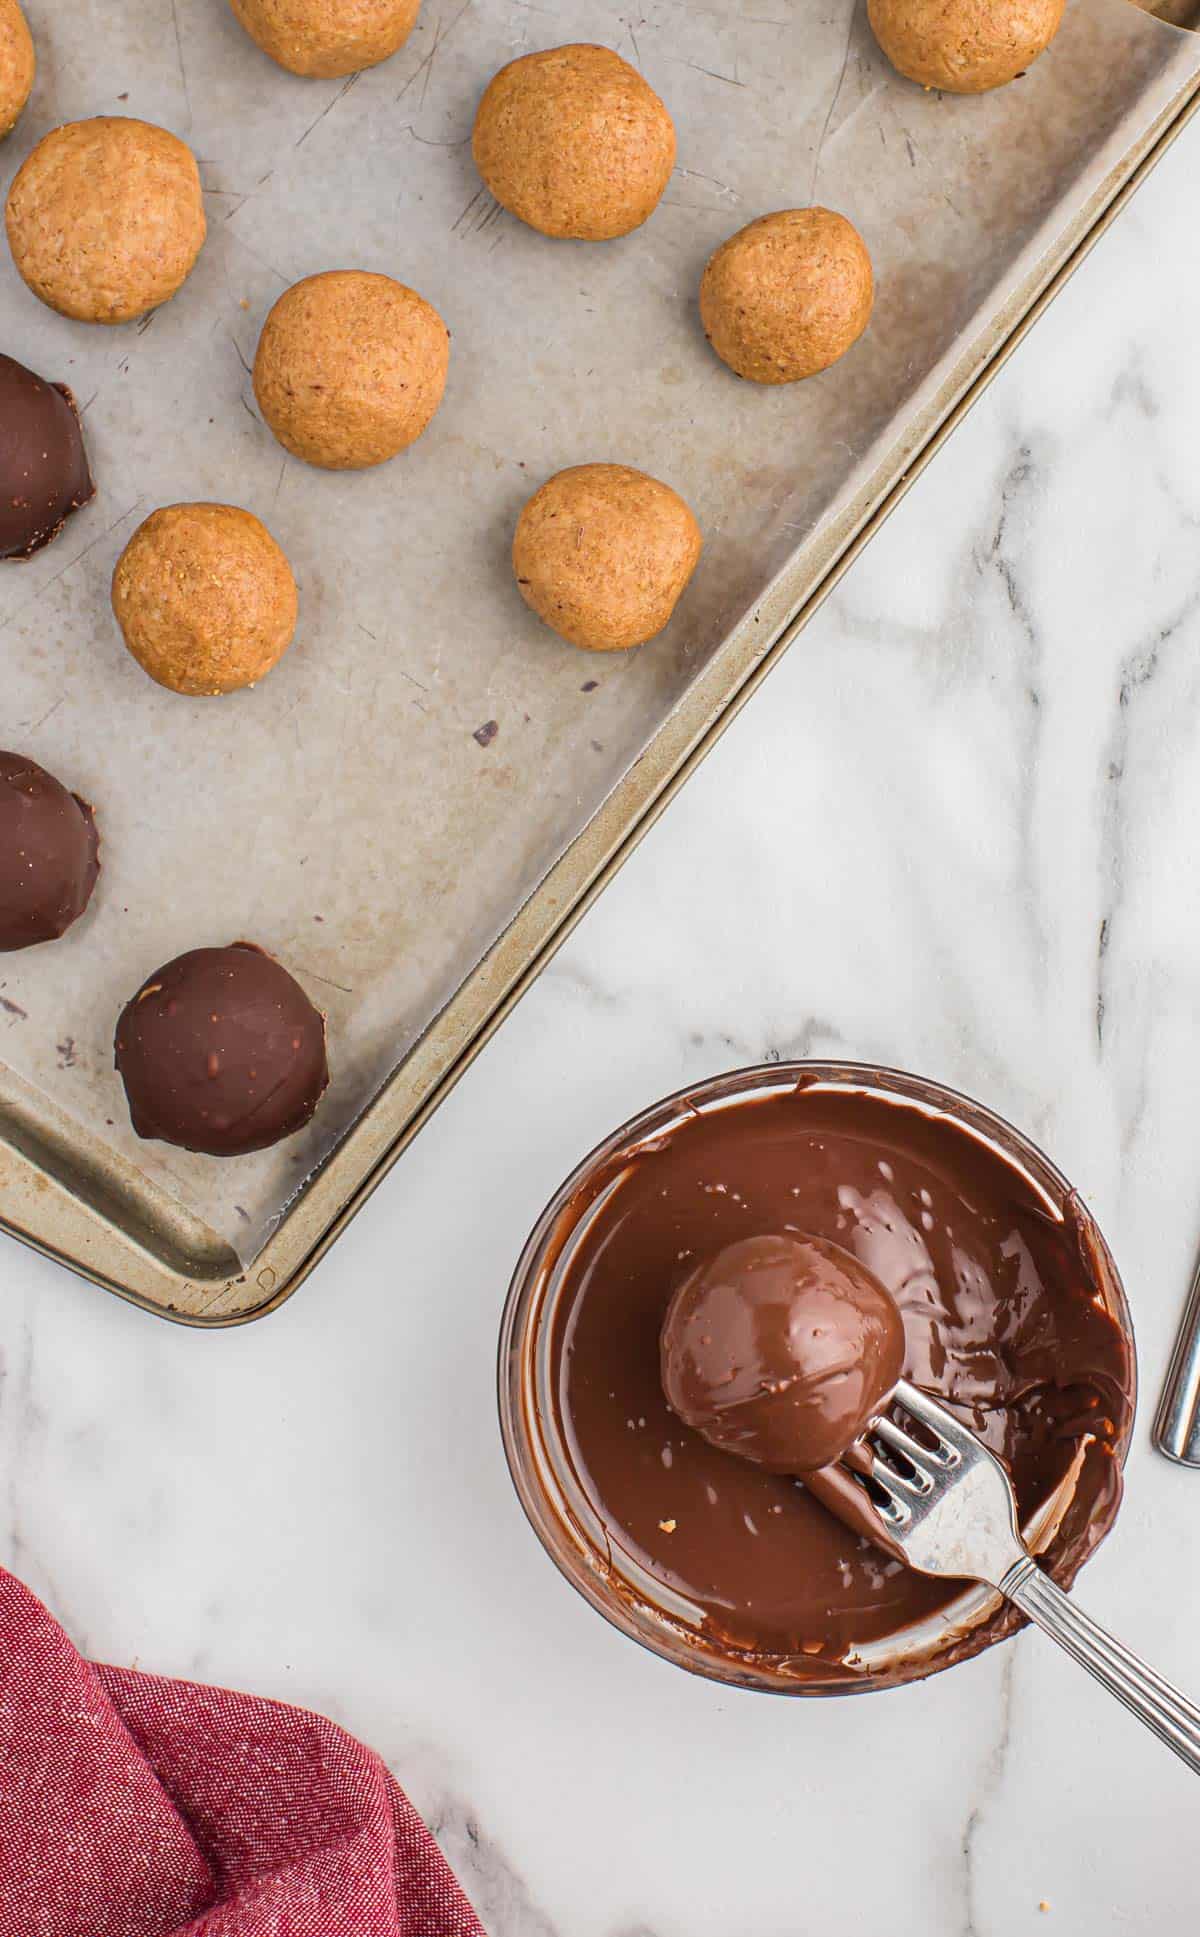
(44, 474)
(222, 1052)
(781, 1349)
(49, 854)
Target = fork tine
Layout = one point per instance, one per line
(903, 1443)
(954, 1441)
(915, 1486)
(846, 1494)
(895, 1510)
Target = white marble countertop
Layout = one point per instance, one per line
(956, 832)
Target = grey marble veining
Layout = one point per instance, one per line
(958, 830)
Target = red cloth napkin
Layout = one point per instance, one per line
(132, 1806)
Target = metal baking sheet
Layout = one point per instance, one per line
(350, 813)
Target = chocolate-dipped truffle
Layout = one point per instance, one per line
(44, 474)
(221, 1051)
(781, 1349)
(49, 854)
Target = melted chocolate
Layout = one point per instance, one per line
(44, 473)
(1003, 1320)
(49, 854)
(222, 1052)
(781, 1349)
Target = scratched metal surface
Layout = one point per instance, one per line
(380, 806)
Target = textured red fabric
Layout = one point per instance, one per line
(132, 1806)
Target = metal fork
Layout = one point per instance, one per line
(948, 1508)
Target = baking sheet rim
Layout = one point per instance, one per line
(323, 1208)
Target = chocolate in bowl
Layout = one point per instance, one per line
(1014, 1315)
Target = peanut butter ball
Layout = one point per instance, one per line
(325, 38)
(18, 65)
(105, 218)
(964, 46)
(574, 142)
(205, 598)
(787, 295)
(350, 368)
(602, 554)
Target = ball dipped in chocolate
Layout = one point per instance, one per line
(221, 1051)
(44, 473)
(574, 142)
(49, 854)
(18, 65)
(781, 1349)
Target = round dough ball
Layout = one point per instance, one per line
(603, 553)
(574, 142)
(18, 64)
(350, 368)
(105, 218)
(205, 598)
(787, 295)
(964, 46)
(326, 38)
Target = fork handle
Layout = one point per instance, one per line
(1174, 1719)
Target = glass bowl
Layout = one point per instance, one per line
(548, 1488)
